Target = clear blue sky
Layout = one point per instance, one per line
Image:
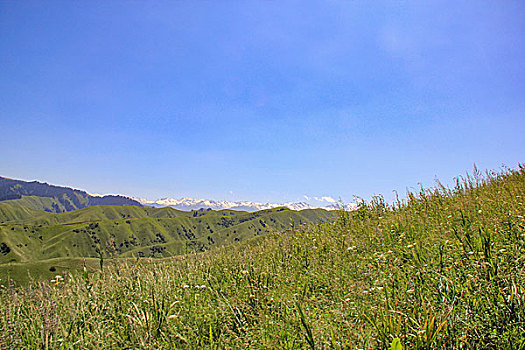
(259, 100)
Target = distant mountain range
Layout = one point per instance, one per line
(55, 199)
(59, 199)
(196, 204)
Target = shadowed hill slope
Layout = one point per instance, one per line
(57, 199)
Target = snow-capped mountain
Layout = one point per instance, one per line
(196, 204)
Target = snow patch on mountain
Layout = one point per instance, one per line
(188, 204)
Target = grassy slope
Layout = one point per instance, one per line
(445, 270)
(14, 213)
(48, 204)
(54, 205)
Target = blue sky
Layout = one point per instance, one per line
(259, 100)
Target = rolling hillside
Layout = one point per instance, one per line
(41, 223)
(28, 235)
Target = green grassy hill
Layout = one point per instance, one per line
(126, 231)
(48, 204)
(15, 213)
(106, 212)
(443, 270)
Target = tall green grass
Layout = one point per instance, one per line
(442, 270)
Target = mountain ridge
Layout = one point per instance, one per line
(52, 198)
(59, 199)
